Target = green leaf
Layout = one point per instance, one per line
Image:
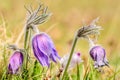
(66, 76)
(37, 70)
(78, 72)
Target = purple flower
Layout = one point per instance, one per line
(44, 49)
(15, 62)
(98, 54)
(76, 59)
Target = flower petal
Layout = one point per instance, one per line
(42, 58)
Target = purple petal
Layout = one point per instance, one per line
(42, 58)
(46, 46)
(98, 54)
(15, 62)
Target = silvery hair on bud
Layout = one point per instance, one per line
(91, 29)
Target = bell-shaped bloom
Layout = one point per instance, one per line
(76, 59)
(98, 54)
(44, 49)
(15, 62)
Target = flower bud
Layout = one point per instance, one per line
(15, 62)
(91, 29)
(98, 54)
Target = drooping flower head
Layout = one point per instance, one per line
(98, 54)
(76, 59)
(15, 62)
(44, 49)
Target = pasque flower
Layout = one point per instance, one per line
(98, 54)
(15, 62)
(44, 49)
(83, 32)
(76, 59)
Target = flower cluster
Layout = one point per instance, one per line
(44, 50)
(42, 45)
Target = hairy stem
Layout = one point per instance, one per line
(25, 47)
(71, 53)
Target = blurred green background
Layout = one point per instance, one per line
(67, 17)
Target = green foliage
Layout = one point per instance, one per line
(67, 76)
(37, 71)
